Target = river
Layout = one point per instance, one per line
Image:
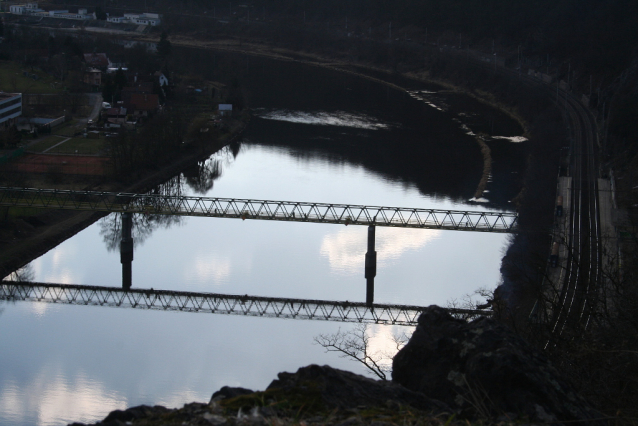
(316, 135)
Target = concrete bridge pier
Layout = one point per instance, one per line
(126, 251)
(371, 266)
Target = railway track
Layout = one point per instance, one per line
(580, 286)
(581, 282)
(583, 276)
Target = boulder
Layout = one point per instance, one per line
(124, 417)
(343, 389)
(230, 392)
(483, 369)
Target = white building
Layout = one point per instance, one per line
(152, 19)
(115, 19)
(33, 10)
(225, 109)
(10, 108)
(24, 9)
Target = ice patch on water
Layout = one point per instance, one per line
(468, 131)
(418, 94)
(323, 118)
(478, 200)
(515, 139)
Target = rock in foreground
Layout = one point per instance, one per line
(482, 369)
(314, 395)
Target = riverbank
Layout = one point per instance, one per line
(336, 63)
(22, 240)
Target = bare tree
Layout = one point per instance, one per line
(355, 344)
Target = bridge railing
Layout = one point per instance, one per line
(346, 214)
(246, 305)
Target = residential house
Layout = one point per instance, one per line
(10, 109)
(137, 87)
(161, 78)
(93, 77)
(96, 60)
(115, 117)
(143, 104)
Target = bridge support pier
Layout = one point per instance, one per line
(126, 250)
(371, 266)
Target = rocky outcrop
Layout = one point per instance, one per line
(482, 369)
(314, 396)
(343, 389)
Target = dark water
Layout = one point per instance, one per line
(315, 135)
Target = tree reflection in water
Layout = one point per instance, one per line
(143, 224)
(24, 274)
(199, 178)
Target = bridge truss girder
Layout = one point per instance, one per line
(254, 306)
(346, 214)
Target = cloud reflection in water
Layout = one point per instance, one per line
(207, 267)
(57, 400)
(346, 248)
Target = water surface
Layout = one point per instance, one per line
(315, 136)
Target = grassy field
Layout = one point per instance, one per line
(67, 129)
(46, 143)
(13, 81)
(79, 145)
(68, 144)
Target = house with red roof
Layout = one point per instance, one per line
(97, 60)
(143, 104)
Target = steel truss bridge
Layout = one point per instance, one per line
(253, 306)
(346, 214)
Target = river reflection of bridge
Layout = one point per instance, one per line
(256, 306)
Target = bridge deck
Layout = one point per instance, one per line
(346, 214)
(256, 306)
